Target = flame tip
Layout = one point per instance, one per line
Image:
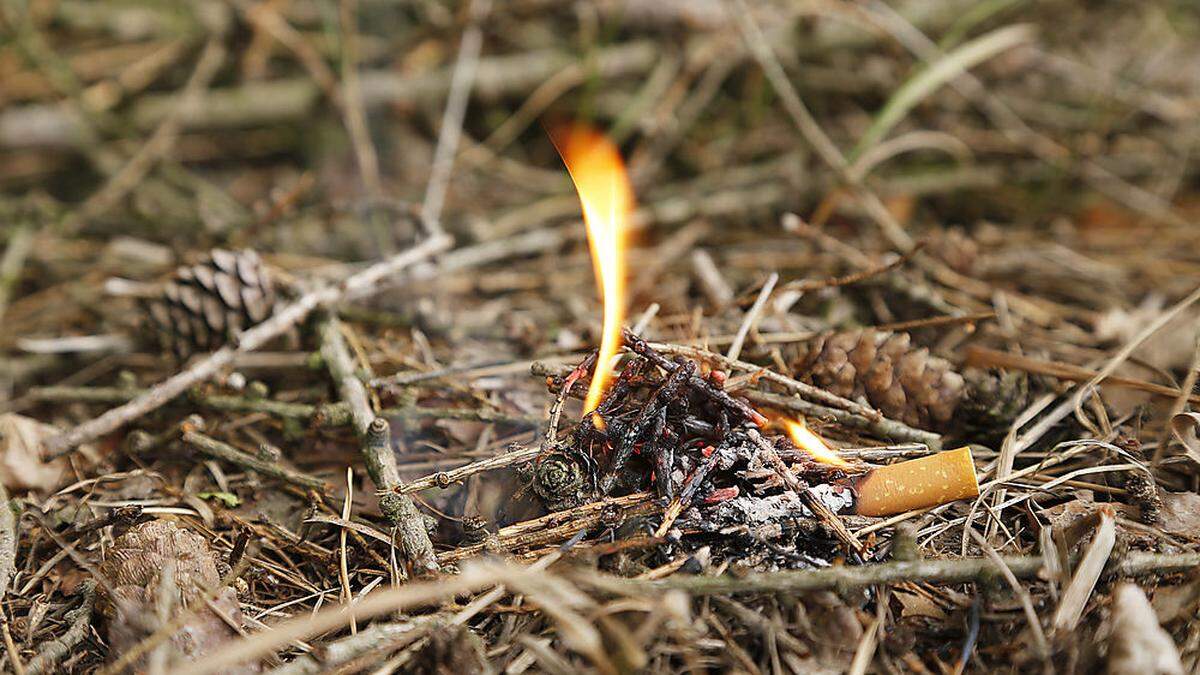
(606, 196)
(808, 441)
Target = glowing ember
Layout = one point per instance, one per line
(811, 443)
(604, 191)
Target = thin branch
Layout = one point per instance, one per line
(376, 437)
(848, 577)
(443, 479)
(810, 500)
(867, 417)
(249, 340)
(225, 452)
(752, 317)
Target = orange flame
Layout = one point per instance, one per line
(607, 198)
(814, 445)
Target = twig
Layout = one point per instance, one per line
(878, 423)
(711, 281)
(294, 98)
(809, 285)
(558, 526)
(329, 415)
(461, 82)
(883, 428)
(8, 541)
(360, 283)
(957, 571)
(399, 509)
(751, 318)
(443, 479)
(875, 423)
(936, 321)
(367, 640)
(471, 371)
(80, 626)
(376, 438)
(225, 452)
(340, 364)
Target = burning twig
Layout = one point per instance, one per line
(867, 417)
(712, 391)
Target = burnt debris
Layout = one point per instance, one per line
(667, 427)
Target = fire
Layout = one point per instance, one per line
(811, 443)
(607, 198)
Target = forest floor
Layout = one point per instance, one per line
(297, 317)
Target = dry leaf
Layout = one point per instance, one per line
(1169, 348)
(1185, 426)
(1181, 513)
(22, 440)
(912, 604)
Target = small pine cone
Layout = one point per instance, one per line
(206, 305)
(906, 383)
(129, 603)
(993, 400)
(1140, 484)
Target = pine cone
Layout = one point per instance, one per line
(206, 305)
(907, 383)
(134, 568)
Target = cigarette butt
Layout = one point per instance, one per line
(917, 484)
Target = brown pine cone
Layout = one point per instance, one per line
(906, 383)
(206, 305)
(129, 604)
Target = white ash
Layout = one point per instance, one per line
(755, 511)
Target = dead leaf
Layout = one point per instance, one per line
(22, 440)
(1169, 348)
(1181, 513)
(1184, 426)
(913, 604)
(1175, 603)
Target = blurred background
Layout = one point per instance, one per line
(133, 133)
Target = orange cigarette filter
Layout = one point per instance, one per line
(917, 484)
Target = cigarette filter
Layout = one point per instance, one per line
(917, 484)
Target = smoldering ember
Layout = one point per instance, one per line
(618, 337)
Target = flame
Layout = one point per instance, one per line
(607, 198)
(814, 445)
